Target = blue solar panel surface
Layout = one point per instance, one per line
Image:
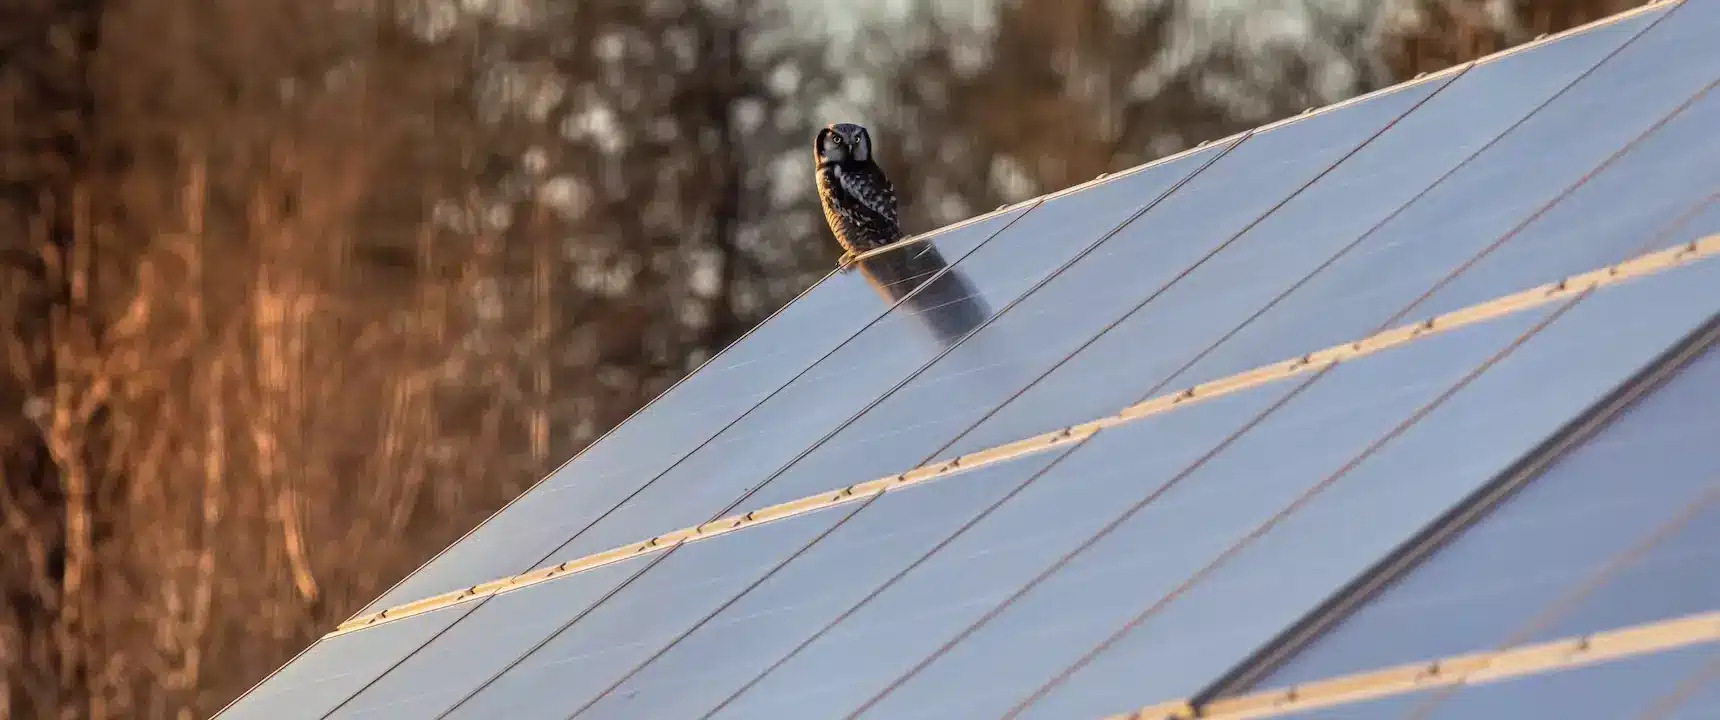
(1147, 562)
(1619, 531)
(1379, 500)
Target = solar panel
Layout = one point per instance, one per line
(1152, 252)
(1670, 682)
(1235, 292)
(720, 474)
(1619, 531)
(672, 426)
(1268, 372)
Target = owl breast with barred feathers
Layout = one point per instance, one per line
(858, 201)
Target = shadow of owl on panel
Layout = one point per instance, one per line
(860, 206)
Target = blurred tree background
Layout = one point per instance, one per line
(293, 293)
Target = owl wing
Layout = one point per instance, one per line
(871, 202)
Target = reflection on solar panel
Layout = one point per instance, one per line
(1403, 408)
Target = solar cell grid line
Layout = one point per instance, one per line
(1145, 258)
(1074, 522)
(1648, 427)
(687, 415)
(1442, 140)
(713, 479)
(1401, 487)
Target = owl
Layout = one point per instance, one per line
(858, 201)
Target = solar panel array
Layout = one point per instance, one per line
(1334, 418)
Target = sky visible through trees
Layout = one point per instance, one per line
(295, 293)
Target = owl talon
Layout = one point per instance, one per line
(846, 262)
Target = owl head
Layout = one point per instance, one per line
(841, 143)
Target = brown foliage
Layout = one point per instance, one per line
(283, 315)
(206, 363)
(1050, 93)
(1456, 31)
